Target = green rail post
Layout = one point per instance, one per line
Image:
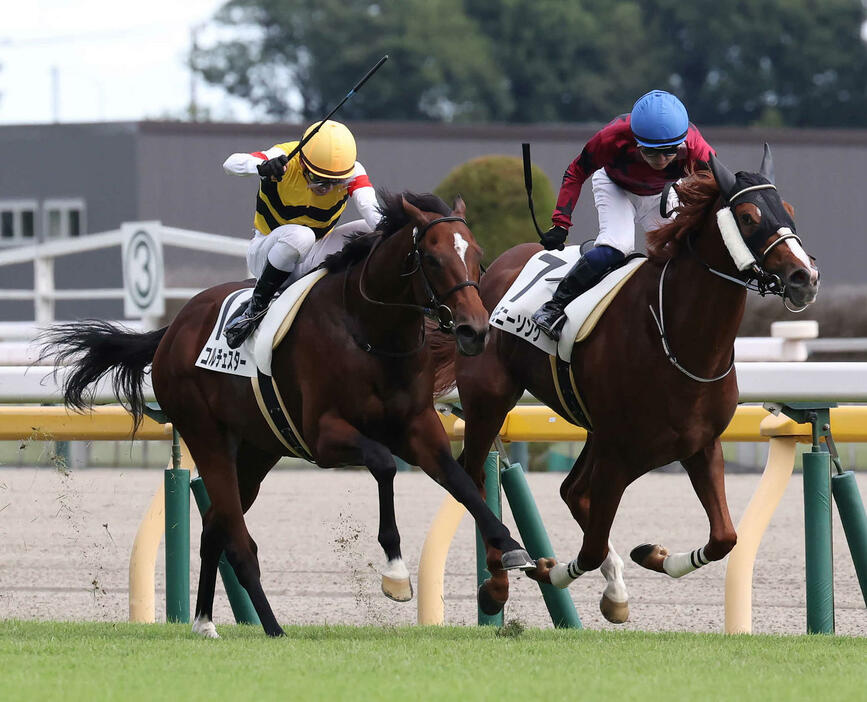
(852, 515)
(532, 530)
(177, 492)
(239, 600)
(819, 554)
(492, 497)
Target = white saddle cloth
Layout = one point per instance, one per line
(255, 353)
(535, 285)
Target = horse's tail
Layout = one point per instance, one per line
(91, 349)
(443, 349)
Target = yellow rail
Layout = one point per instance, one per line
(33, 423)
(524, 423)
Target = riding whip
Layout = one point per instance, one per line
(528, 184)
(352, 92)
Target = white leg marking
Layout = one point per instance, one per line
(679, 564)
(396, 569)
(205, 627)
(461, 246)
(612, 569)
(564, 574)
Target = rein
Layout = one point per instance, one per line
(660, 325)
(435, 308)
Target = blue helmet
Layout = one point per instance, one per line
(659, 119)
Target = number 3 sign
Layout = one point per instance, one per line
(142, 270)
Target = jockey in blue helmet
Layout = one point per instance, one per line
(631, 159)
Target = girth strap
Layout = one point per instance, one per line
(567, 393)
(272, 408)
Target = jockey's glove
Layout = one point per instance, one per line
(554, 238)
(273, 168)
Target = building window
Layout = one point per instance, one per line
(64, 218)
(17, 218)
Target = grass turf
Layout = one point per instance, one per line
(88, 661)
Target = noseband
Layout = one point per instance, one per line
(757, 277)
(435, 307)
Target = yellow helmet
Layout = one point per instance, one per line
(330, 153)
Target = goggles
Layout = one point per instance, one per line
(322, 184)
(659, 150)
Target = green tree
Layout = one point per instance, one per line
(789, 62)
(760, 61)
(497, 210)
(577, 61)
(441, 67)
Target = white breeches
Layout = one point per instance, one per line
(620, 212)
(294, 247)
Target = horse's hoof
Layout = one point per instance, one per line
(614, 612)
(205, 628)
(649, 556)
(397, 589)
(488, 604)
(518, 559)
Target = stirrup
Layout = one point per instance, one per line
(239, 328)
(552, 329)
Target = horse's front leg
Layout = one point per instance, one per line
(604, 477)
(339, 442)
(427, 446)
(706, 471)
(575, 492)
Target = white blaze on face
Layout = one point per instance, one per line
(800, 254)
(461, 246)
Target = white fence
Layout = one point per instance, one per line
(42, 256)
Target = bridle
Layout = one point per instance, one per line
(756, 278)
(435, 307)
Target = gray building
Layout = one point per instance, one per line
(71, 180)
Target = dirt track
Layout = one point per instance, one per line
(65, 543)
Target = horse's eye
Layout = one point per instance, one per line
(747, 218)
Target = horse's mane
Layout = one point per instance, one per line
(393, 219)
(698, 194)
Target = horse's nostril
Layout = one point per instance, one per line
(800, 278)
(468, 334)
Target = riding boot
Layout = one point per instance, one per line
(242, 325)
(551, 317)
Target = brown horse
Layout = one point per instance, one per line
(656, 373)
(355, 371)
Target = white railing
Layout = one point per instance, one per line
(758, 382)
(42, 256)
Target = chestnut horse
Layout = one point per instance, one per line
(355, 372)
(656, 374)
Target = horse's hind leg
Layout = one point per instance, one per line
(254, 465)
(575, 492)
(706, 471)
(224, 527)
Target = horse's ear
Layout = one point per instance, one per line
(412, 212)
(460, 207)
(723, 176)
(767, 167)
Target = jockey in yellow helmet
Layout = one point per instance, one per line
(297, 208)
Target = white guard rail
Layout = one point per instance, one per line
(758, 382)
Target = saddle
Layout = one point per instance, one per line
(533, 287)
(253, 358)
